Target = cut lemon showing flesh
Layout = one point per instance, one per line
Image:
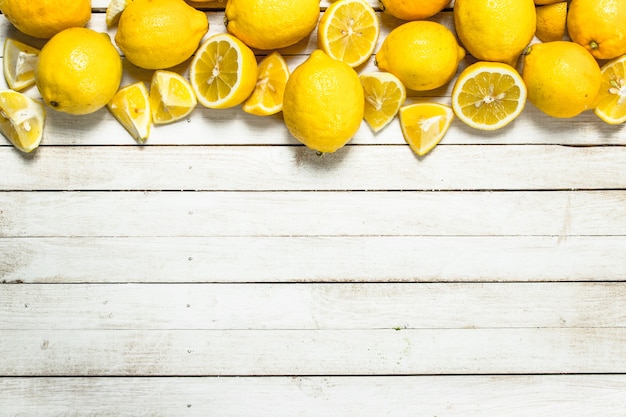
(424, 125)
(611, 106)
(267, 97)
(21, 120)
(19, 64)
(223, 72)
(384, 95)
(131, 107)
(348, 31)
(114, 11)
(488, 95)
(171, 97)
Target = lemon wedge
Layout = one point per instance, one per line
(171, 97)
(267, 97)
(131, 107)
(19, 62)
(424, 125)
(384, 95)
(21, 120)
(611, 106)
(114, 11)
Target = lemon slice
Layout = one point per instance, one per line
(384, 94)
(171, 97)
(131, 107)
(348, 31)
(19, 62)
(488, 95)
(114, 11)
(267, 97)
(611, 106)
(223, 72)
(21, 120)
(424, 125)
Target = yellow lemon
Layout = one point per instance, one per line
(424, 55)
(551, 20)
(158, 34)
(131, 107)
(171, 97)
(612, 101)
(267, 97)
(598, 25)
(495, 30)
(384, 94)
(21, 120)
(79, 71)
(424, 125)
(19, 62)
(562, 78)
(413, 9)
(45, 18)
(323, 103)
(271, 24)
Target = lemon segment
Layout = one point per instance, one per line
(171, 97)
(384, 95)
(19, 63)
(223, 72)
(348, 31)
(21, 120)
(611, 106)
(131, 107)
(114, 11)
(267, 97)
(424, 125)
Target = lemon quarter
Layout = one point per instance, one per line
(131, 107)
(384, 95)
(171, 97)
(19, 62)
(424, 125)
(267, 97)
(612, 102)
(21, 120)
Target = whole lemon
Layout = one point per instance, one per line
(424, 55)
(45, 18)
(562, 78)
(495, 30)
(271, 24)
(598, 25)
(79, 71)
(323, 102)
(413, 10)
(551, 21)
(158, 34)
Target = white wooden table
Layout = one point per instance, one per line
(225, 270)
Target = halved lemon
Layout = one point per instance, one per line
(267, 97)
(384, 95)
(488, 95)
(223, 72)
(611, 106)
(171, 97)
(131, 107)
(424, 125)
(19, 62)
(348, 31)
(114, 11)
(21, 120)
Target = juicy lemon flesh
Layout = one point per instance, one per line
(21, 120)
(267, 97)
(384, 95)
(171, 97)
(611, 106)
(351, 32)
(19, 63)
(424, 125)
(131, 107)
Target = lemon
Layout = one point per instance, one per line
(79, 71)
(551, 24)
(158, 34)
(598, 25)
(495, 30)
(384, 94)
(563, 79)
(271, 24)
(414, 9)
(223, 72)
(424, 125)
(488, 95)
(171, 97)
(267, 97)
(323, 103)
(348, 31)
(424, 55)
(544, 2)
(131, 107)
(19, 62)
(114, 11)
(21, 120)
(45, 18)
(611, 105)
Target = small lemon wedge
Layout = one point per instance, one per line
(171, 97)
(19, 63)
(424, 125)
(131, 107)
(114, 11)
(384, 95)
(267, 97)
(611, 106)
(22, 120)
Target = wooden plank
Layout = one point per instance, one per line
(312, 306)
(455, 396)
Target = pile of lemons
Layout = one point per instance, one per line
(565, 57)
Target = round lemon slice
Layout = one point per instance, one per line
(384, 95)
(223, 72)
(267, 97)
(19, 62)
(171, 97)
(424, 125)
(21, 120)
(131, 107)
(488, 95)
(348, 31)
(611, 106)
(114, 11)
